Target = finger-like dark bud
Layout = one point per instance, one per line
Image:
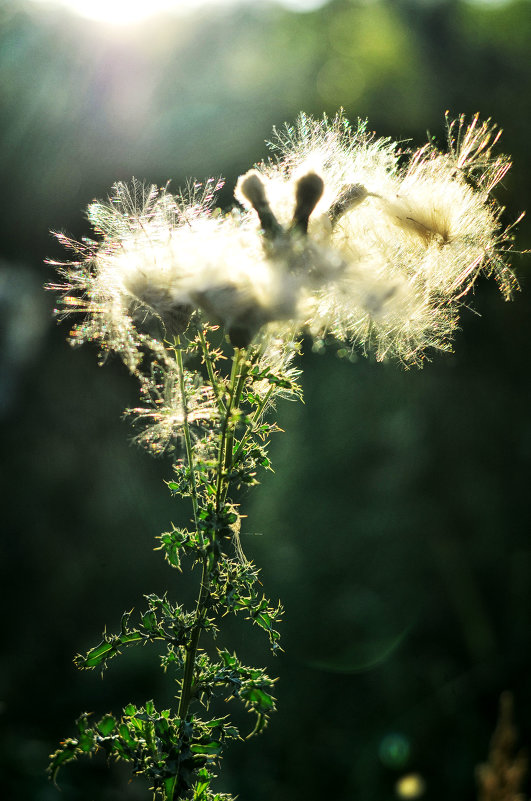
(307, 195)
(349, 197)
(252, 188)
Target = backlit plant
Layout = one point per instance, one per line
(340, 237)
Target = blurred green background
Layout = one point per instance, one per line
(396, 529)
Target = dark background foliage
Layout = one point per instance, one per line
(396, 527)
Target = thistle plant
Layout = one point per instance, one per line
(340, 237)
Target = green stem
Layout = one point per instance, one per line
(210, 370)
(191, 651)
(255, 417)
(170, 786)
(235, 402)
(221, 466)
(187, 438)
(234, 392)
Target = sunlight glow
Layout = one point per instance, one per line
(117, 12)
(129, 12)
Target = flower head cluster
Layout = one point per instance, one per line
(340, 234)
(412, 230)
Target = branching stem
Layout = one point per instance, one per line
(210, 370)
(235, 388)
(225, 438)
(189, 665)
(186, 430)
(188, 676)
(255, 417)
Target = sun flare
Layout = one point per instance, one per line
(129, 12)
(118, 12)
(121, 12)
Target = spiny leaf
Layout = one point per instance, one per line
(106, 725)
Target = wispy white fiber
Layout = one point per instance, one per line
(339, 234)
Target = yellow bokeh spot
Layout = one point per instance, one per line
(410, 786)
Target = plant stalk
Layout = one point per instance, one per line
(186, 430)
(234, 392)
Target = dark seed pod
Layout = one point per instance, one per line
(307, 195)
(252, 188)
(350, 196)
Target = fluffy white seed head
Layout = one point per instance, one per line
(341, 233)
(413, 230)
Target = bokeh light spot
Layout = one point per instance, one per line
(394, 750)
(410, 786)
